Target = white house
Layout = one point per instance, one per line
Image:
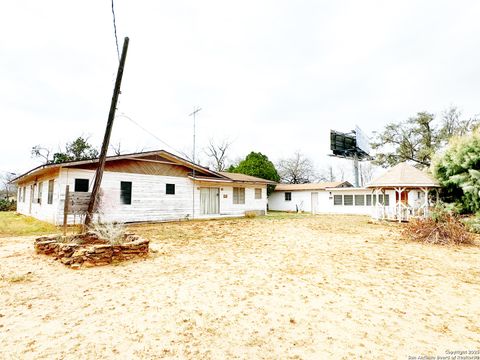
(400, 193)
(147, 186)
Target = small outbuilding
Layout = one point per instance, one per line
(413, 193)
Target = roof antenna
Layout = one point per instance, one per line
(196, 109)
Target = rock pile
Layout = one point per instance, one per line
(89, 250)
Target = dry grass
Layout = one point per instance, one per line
(13, 224)
(276, 287)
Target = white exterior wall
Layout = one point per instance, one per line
(227, 207)
(303, 199)
(29, 206)
(149, 199)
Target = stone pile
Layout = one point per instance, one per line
(89, 250)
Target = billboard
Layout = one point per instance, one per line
(350, 145)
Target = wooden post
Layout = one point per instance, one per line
(65, 209)
(106, 138)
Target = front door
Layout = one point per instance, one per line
(314, 202)
(209, 201)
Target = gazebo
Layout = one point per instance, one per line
(411, 186)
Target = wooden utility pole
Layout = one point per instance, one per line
(106, 138)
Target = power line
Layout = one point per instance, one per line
(149, 132)
(115, 31)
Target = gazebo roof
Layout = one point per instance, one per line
(404, 175)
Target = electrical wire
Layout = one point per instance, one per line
(115, 31)
(149, 132)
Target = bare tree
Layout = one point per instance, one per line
(117, 148)
(217, 152)
(41, 152)
(8, 188)
(328, 174)
(366, 172)
(296, 170)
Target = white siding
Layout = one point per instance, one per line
(30, 206)
(302, 200)
(149, 199)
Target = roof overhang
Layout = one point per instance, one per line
(133, 156)
(410, 186)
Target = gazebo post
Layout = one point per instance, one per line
(425, 203)
(383, 203)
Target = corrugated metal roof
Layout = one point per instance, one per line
(404, 175)
(312, 186)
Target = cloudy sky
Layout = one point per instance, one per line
(270, 75)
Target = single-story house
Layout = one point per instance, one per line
(145, 186)
(400, 193)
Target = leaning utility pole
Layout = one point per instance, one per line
(106, 138)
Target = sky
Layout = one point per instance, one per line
(273, 76)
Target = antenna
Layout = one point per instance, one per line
(196, 109)
(194, 113)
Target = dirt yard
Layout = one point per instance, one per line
(278, 287)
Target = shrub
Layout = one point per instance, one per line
(473, 224)
(6, 205)
(112, 232)
(442, 228)
(250, 214)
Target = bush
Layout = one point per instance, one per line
(112, 232)
(473, 224)
(442, 228)
(6, 205)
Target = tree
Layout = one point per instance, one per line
(79, 149)
(366, 172)
(117, 148)
(41, 152)
(419, 138)
(257, 164)
(8, 189)
(217, 152)
(296, 170)
(458, 171)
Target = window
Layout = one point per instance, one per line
(39, 198)
(288, 196)
(359, 200)
(337, 199)
(126, 192)
(24, 193)
(258, 193)
(19, 195)
(369, 200)
(50, 191)
(374, 198)
(81, 185)
(387, 199)
(347, 199)
(170, 189)
(238, 195)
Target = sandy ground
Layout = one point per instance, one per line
(317, 287)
